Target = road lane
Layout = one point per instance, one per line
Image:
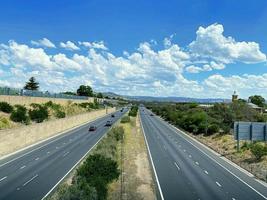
(32, 173)
(198, 176)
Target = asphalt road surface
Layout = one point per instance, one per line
(32, 173)
(187, 170)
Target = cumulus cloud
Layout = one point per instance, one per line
(211, 43)
(94, 45)
(145, 71)
(69, 46)
(43, 43)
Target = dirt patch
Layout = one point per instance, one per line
(136, 181)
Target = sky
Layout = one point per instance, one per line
(189, 48)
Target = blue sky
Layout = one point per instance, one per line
(155, 48)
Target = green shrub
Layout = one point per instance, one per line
(60, 114)
(38, 113)
(125, 119)
(212, 128)
(118, 133)
(6, 107)
(133, 111)
(4, 123)
(19, 114)
(258, 150)
(98, 171)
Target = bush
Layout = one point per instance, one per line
(60, 114)
(19, 114)
(76, 192)
(118, 133)
(258, 150)
(213, 128)
(98, 171)
(6, 107)
(4, 123)
(125, 119)
(133, 111)
(39, 113)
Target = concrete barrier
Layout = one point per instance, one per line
(14, 139)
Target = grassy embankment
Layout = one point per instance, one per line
(20, 115)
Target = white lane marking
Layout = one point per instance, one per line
(57, 137)
(48, 152)
(22, 166)
(177, 165)
(57, 147)
(206, 172)
(187, 139)
(64, 143)
(66, 154)
(184, 150)
(3, 178)
(218, 184)
(153, 166)
(233, 198)
(37, 158)
(30, 180)
(197, 163)
(190, 156)
(74, 167)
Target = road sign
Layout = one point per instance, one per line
(254, 131)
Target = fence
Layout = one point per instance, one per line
(30, 93)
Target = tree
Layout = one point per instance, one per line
(31, 84)
(69, 93)
(99, 95)
(258, 150)
(258, 100)
(85, 90)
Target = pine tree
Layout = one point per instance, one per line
(31, 84)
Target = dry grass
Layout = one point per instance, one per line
(137, 182)
(226, 146)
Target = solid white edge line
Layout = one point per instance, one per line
(157, 180)
(175, 128)
(61, 135)
(51, 190)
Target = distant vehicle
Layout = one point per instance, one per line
(122, 110)
(151, 114)
(112, 115)
(92, 128)
(108, 123)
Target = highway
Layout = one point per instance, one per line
(185, 169)
(33, 173)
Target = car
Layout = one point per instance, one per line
(92, 128)
(108, 123)
(151, 114)
(121, 110)
(112, 115)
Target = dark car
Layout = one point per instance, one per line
(151, 114)
(108, 123)
(92, 128)
(112, 115)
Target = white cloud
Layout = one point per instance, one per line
(94, 45)
(145, 71)
(69, 46)
(211, 43)
(44, 43)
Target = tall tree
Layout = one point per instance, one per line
(85, 90)
(32, 84)
(99, 95)
(258, 100)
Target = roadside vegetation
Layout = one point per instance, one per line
(133, 111)
(17, 115)
(91, 179)
(213, 126)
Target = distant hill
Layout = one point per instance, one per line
(177, 99)
(167, 99)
